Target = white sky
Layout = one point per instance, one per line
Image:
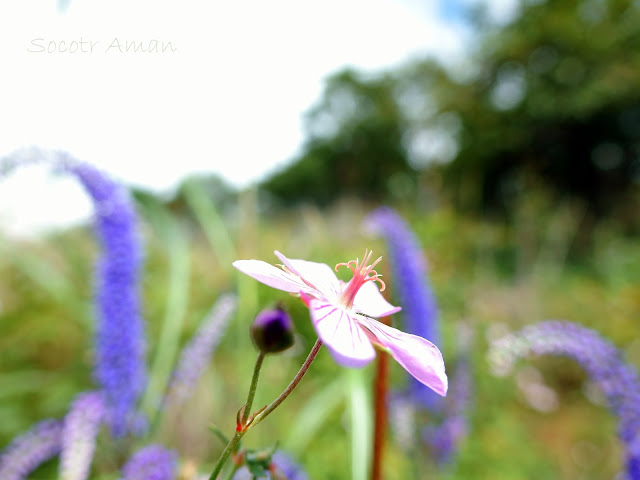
(228, 100)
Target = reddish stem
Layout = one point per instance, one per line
(380, 405)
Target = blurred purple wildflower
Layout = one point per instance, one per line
(409, 272)
(445, 439)
(284, 464)
(120, 368)
(602, 361)
(23, 455)
(420, 315)
(287, 466)
(81, 426)
(197, 353)
(151, 463)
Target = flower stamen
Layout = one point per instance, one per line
(362, 273)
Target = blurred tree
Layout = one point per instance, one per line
(551, 96)
(354, 144)
(557, 98)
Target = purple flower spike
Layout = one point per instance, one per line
(81, 426)
(151, 463)
(120, 367)
(287, 466)
(602, 361)
(197, 353)
(26, 452)
(409, 272)
(445, 439)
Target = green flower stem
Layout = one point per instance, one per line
(228, 450)
(252, 388)
(294, 383)
(235, 441)
(232, 472)
(233, 444)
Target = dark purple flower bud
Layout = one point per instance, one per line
(272, 331)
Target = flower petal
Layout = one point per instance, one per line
(346, 340)
(317, 275)
(370, 301)
(418, 356)
(270, 275)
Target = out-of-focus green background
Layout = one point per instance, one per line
(520, 175)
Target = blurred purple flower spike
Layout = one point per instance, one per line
(120, 338)
(602, 361)
(283, 464)
(409, 273)
(27, 451)
(81, 427)
(445, 439)
(196, 355)
(120, 369)
(153, 462)
(420, 315)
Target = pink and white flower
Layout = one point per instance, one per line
(343, 314)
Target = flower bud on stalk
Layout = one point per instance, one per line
(272, 330)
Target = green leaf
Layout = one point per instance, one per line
(177, 299)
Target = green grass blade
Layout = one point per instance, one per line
(211, 222)
(177, 299)
(361, 415)
(49, 278)
(311, 419)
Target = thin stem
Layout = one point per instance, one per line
(228, 450)
(252, 388)
(296, 380)
(380, 414)
(380, 399)
(233, 444)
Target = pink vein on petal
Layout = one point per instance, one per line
(316, 275)
(347, 342)
(418, 356)
(270, 275)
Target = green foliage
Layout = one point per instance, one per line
(556, 97)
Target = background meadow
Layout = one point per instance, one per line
(518, 172)
(478, 278)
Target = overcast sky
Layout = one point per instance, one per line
(221, 88)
